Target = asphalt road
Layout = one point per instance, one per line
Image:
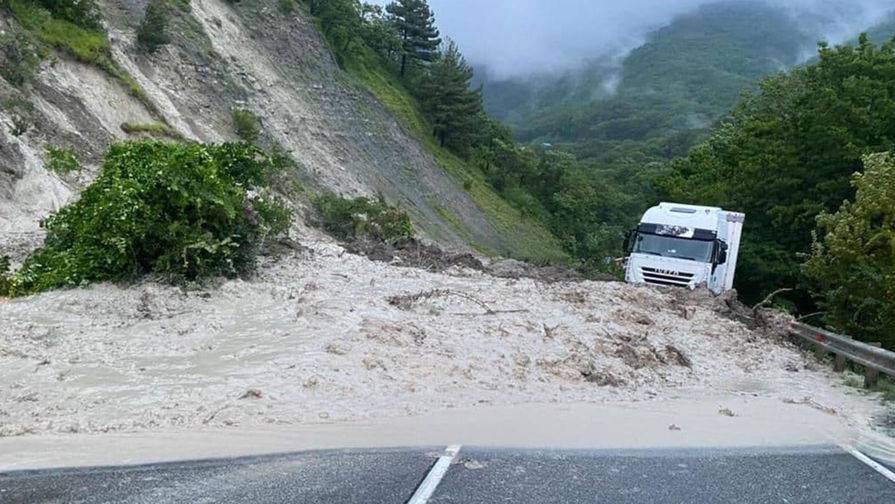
(799, 475)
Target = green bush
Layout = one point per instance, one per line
(182, 211)
(153, 30)
(362, 218)
(84, 13)
(246, 124)
(18, 58)
(62, 160)
(853, 259)
(5, 282)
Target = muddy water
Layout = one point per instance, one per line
(318, 338)
(691, 421)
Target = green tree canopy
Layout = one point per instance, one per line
(153, 30)
(853, 259)
(787, 153)
(84, 13)
(341, 22)
(451, 105)
(380, 33)
(416, 26)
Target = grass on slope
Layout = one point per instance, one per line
(87, 46)
(524, 238)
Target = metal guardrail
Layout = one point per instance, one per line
(874, 359)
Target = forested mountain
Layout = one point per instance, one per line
(664, 94)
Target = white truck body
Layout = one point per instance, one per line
(685, 246)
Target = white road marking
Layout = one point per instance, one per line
(427, 487)
(876, 466)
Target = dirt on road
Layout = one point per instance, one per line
(327, 336)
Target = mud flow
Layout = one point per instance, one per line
(324, 335)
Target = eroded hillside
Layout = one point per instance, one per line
(224, 55)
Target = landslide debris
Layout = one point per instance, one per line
(413, 253)
(329, 335)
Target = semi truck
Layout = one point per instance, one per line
(684, 246)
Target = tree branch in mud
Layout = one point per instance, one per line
(768, 299)
(810, 315)
(405, 302)
(210, 417)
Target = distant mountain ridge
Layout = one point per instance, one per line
(666, 93)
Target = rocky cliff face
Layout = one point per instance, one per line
(224, 55)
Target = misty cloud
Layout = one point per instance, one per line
(517, 37)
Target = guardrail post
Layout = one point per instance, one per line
(840, 359)
(820, 353)
(871, 356)
(839, 363)
(871, 376)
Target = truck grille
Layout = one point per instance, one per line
(666, 277)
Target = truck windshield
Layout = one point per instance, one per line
(669, 246)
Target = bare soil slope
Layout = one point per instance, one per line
(224, 55)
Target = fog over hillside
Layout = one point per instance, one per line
(518, 37)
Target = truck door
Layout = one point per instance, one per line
(719, 267)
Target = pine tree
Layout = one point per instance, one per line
(416, 25)
(454, 109)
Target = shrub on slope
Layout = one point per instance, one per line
(183, 211)
(361, 218)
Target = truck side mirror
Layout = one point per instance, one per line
(722, 253)
(628, 246)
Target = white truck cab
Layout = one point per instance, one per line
(685, 246)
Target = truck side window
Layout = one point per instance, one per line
(630, 236)
(722, 253)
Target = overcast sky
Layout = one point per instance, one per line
(516, 37)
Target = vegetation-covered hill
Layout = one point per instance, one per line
(667, 92)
